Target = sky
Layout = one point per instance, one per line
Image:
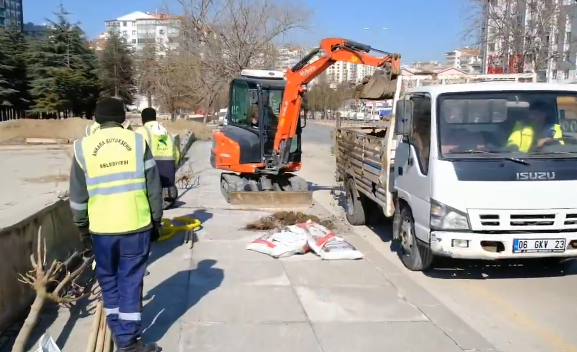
(419, 30)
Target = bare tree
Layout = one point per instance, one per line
(522, 35)
(146, 62)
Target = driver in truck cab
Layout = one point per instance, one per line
(537, 131)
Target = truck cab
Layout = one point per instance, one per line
(481, 171)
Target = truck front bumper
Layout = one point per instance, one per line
(467, 245)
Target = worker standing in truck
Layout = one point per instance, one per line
(537, 131)
(163, 149)
(116, 202)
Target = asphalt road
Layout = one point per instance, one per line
(516, 308)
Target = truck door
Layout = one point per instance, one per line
(412, 165)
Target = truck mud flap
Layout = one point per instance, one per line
(271, 199)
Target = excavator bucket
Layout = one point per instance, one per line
(287, 191)
(272, 199)
(380, 86)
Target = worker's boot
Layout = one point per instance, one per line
(139, 346)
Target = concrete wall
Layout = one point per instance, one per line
(19, 241)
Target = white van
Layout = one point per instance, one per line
(222, 115)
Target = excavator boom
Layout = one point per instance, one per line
(382, 85)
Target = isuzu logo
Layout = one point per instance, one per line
(535, 176)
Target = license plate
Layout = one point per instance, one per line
(556, 245)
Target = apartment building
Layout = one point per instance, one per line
(341, 72)
(11, 13)
(465, 59)
(142, 28)
(556, 19)
(37, 31)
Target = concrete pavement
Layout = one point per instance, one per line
(516, 309)
(220, 297)
(31, 178)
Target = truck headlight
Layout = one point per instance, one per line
(444, 217)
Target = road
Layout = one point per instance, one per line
(517, 309)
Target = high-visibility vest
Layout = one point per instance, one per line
(523, 136)
(113, 163)
(162, 147)
(92, 128)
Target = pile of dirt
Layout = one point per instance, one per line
(282, 219)
(200, 130)
(18, 130)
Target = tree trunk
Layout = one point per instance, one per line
(149, 99)
(30, 322)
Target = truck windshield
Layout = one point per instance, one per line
(520, 124)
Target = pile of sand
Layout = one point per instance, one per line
(16, 131)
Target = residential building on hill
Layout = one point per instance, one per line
(465, 59)
(142, 28)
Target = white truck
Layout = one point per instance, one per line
(222, 117)
(445, 174)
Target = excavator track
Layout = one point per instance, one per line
(266, 191)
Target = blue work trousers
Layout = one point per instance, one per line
(120, 266)
(167, 172)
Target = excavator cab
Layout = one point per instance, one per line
(245, 145)
(254, 106)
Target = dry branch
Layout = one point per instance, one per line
(41, 277)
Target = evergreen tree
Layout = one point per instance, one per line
(13, 79)
(63, 71)
(117, 69)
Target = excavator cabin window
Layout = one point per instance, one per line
(239, 104)
(244, 110)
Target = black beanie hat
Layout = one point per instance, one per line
(148, 114)
(110, 110)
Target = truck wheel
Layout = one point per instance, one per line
(355, 209)
(415, 255)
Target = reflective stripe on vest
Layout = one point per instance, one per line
(114, 168)
(154, 149)
(92, 183)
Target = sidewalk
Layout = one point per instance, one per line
(221, 297)
(225, 298)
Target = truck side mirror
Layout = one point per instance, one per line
(403, 117)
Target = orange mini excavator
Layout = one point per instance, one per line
(260, 145)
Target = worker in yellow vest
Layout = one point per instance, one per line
(92, 128)
(164, 150)
(116, 202)
(536, 132)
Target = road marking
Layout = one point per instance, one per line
(521, 318)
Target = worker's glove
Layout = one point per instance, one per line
(86, 240)
(156, 230)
